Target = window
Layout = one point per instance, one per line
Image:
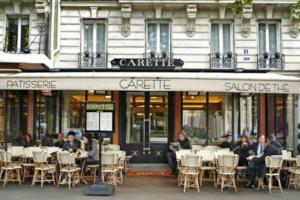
(93, 36)
(221, 37)
(158, 37)
(17, 34)
(268, 38)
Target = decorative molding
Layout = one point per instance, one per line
(191, 12)
(126, 10)
(294, 24)
(269, 12)
(94, 11)
(222, 12)
(246, 20)
(16, 4)
(158, 11)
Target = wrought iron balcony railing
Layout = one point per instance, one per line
(270, 61)
(222, 60)
(158, 55)
(92, 60)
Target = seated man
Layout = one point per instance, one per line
(183, 143)
(72, 144)
(228, 143)
(257, 166)
(60, 140)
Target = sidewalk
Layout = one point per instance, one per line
(143, 188)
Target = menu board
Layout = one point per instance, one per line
(106, 121)
(92, 121)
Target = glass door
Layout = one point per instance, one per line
(147, 126)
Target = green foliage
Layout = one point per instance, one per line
(238, 5)
(195, 132)
(295, 8)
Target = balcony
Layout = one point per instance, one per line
(92, 60)
(222, 60)
(152, 54)
(270, 61)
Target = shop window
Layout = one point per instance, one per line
(194, 117)
(46, 114)
(1, 117)
(93, 44)
(17, 34)
(158, 38)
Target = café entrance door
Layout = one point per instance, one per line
(146, 125)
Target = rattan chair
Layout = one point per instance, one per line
(11, 171)
(27, 164)
(68, 168)
(190, 171)
(226, 169)
(295, 174)
(109, 170)
(42, 169)
(121, 165)
(207, 165)
(274, 165)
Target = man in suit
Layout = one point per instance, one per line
(72, 144)
(257, 166)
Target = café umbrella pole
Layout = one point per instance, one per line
(100, 188)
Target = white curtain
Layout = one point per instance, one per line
(100, 45)
(262, 38)
(152, 37)
(164, 38)
(215, 38)
(273, 38)
(226, 38)
(88, 38)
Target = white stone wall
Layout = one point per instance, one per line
(192, 50)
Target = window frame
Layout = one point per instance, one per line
(94, 22)
(158, 22)
(19, 34)
(278, 35)
(221, 39)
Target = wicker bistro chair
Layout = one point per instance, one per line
(67, 167)
(121, 165)
(207, 165)
(42, 168)
(273, 165)
(110, 169)
(295, 174)
(27, 164)
(226, 169)
(190, 171)
(11, 171)
(212, 148)
(111, 147)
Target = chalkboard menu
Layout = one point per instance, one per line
(99, 117)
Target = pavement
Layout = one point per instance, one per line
(143, 188)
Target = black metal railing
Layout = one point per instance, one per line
(270, 61)
(222, 60)
(92, 60)
(158, 55)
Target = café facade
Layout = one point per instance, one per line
(157, 64)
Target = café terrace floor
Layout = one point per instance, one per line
(143, 188)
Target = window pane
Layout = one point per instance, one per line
(152, 37)
(215, 38)
(100, 38)
(164, 38)
(273, 38)
(24, 34)
(12, 34)
(88, 38)
(262, 38)
(226, 38)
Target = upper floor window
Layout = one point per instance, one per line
(93, 44)
(17, 34)
(158, 37)
(222, 45)
(269, 55)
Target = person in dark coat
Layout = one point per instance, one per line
(257, 166)
(183, 143)
(242, 149)
(60, 140)
(47, 140)
(72, 144)
(228, 143)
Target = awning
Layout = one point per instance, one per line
(153, 81)
(31, 62)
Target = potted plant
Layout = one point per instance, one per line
(152, 54)
(266, 55)
(98, 54)
(164, 54)
(277, 55)
(229, 54)
(86, 54)
(217, 55)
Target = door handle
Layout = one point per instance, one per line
(146, 143)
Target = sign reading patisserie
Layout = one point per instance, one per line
(31, 84)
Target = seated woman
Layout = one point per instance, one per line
(184, 143)
(242, 149)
